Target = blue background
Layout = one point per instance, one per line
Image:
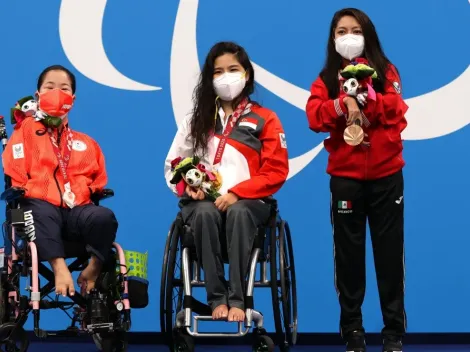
(428, 42)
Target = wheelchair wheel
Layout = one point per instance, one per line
(182, 342)
(2, 300)
(171, 300)
(263, 343)
(163, 278)
(13, 338)
(117, 340)
(288, 284)
(114, 342)
(283, 286)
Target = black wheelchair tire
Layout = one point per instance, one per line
(168, 296)
(263, 343)
(288, 283)
(280, 336)
(284, 304)
(20, 336)
(114, 342)
(183, 342)
(163, 279)
(2, 300)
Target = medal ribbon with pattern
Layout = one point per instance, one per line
(228, 129)
(64, 159)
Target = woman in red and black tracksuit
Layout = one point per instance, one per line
(245, 143)
(366, 180)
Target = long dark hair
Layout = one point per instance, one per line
(203, 123)
(373, 52)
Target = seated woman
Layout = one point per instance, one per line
(245, 143)
(60, 169)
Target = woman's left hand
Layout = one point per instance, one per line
(223, 202)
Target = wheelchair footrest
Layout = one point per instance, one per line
(242, 330)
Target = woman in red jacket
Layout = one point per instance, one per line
(245, 143)
(366, 179)
(59, 170)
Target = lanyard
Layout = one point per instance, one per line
(63, 159)
(228, 129)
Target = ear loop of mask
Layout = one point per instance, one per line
(216, 108)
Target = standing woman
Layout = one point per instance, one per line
(245, 143)
(366, 179)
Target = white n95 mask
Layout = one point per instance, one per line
(350, 46)
(229, 85)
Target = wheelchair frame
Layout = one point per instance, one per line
(180, 252)
(92, 311)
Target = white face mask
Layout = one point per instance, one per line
(229, 85)
(350, 46)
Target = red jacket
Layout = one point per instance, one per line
(30, 161)
(387, 118)
(255, 163)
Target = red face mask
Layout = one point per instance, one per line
(55, 102)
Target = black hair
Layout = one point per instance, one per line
(203, 123)
(373, 52)
(71, 76)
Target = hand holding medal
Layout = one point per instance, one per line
(357, 85)
(354, 134)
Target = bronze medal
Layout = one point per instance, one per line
(353, 135)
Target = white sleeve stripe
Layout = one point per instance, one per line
(338, 107)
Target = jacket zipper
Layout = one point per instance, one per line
(55, 173)
(366, 151)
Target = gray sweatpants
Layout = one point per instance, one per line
(235, 230)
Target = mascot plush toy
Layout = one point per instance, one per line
(28, 107)
(189, 172)
(357, 78)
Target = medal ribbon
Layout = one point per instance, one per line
(228, 129)
(64, 158)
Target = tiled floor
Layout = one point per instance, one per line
(78, 347)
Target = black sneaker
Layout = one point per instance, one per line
(356, 342)
(392, 344)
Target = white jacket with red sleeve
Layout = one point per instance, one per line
(255, 163)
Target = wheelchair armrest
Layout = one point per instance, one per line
(102, 194)
(12, 194)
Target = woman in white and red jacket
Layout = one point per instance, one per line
(366, 179)
(245, 143)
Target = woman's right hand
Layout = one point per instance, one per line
(354, 113)
(195, 194)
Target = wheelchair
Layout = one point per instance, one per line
(104, 312)
(181, 273)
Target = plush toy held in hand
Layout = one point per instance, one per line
(358, 78)
(189, 172)
(29, 107)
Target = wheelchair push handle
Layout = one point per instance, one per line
(4, 139)
(3, 132)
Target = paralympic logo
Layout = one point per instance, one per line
(83, 46)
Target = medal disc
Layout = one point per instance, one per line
(69, 199)
(353, 135)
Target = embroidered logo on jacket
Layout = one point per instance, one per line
(79, 146)
(18, 151)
